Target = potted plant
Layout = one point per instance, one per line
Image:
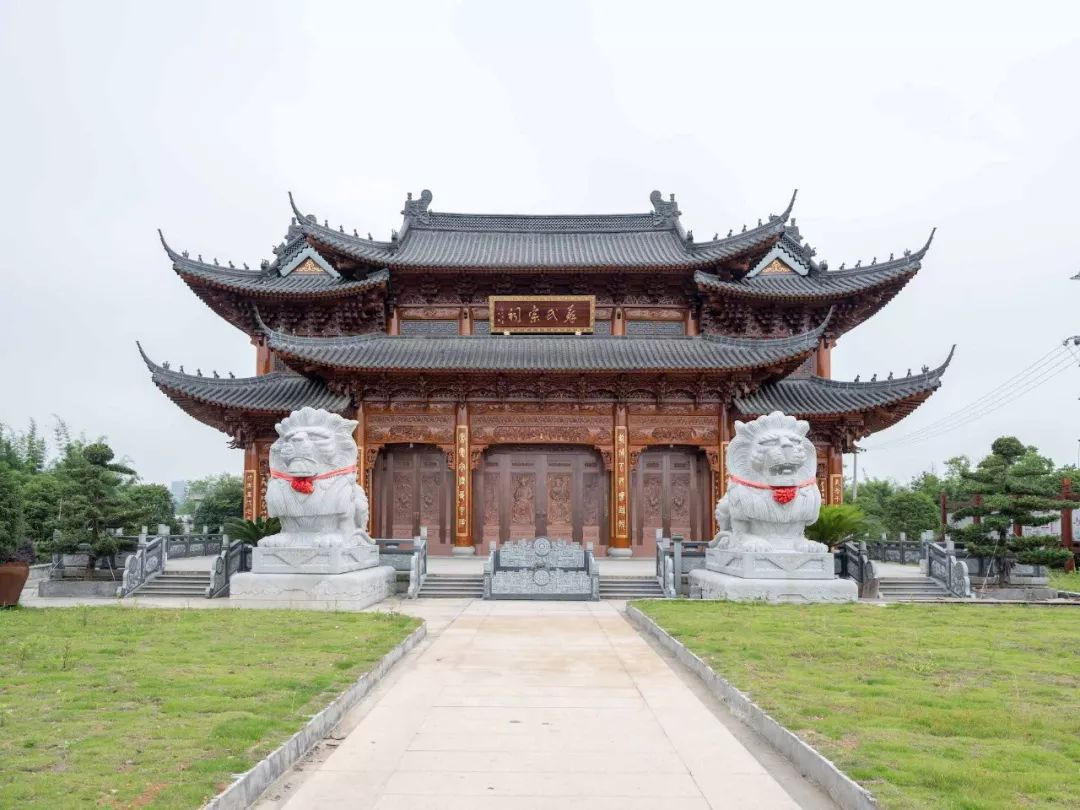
(15, 562)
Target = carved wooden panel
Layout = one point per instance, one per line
(502, 427)
(666, 428)
(672, 491)
(399, 428)
(413, 488)
(532, 492)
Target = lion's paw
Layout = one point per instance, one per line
(756, 545)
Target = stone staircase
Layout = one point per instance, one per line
(184, 584)
(452, 586)
(911, 589)
(629, 587)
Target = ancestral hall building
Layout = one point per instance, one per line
(566, 376)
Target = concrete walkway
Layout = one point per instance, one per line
(539, 705)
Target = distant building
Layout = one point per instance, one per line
(178, 490)
(571, 376)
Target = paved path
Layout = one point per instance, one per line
(538, 705)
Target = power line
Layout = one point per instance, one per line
(1055, 362)
(963, 418)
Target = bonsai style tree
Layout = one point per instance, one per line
(836, 525)
(92, 500)
(1016, 486)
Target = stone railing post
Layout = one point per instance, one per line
(677, 542)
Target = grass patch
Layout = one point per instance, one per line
(123, 708)
(928, 706)
(1065, 582)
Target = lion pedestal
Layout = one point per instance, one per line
(323, 557)
(760, 552)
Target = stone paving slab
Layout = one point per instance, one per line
(536, 705)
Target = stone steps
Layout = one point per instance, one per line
(626, 587)
(184, 584)
(910, 589)
(452, 586)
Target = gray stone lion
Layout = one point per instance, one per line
(313, 488)
(772, 492)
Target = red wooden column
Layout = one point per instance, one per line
(1066, 524)
(251, 482)
(823, 358)
(944, 499)
(620, 486)
(463, 543)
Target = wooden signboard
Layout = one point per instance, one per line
(541, 313)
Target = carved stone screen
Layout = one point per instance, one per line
(527, 492)
(670, 490)
(413, 488)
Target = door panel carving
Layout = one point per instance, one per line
(413, 487)
(530, 492)
(670, 491)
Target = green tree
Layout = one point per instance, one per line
(837, 524)
(91, 500)
(149, 504)
(873, 495)
(223, 499)
(1017, 488)
(911, 512)
(11, 512)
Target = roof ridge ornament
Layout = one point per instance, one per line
(418, 209)
(300, 216)
(665, 212)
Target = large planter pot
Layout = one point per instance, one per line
(13, 577)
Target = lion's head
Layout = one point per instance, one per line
(313, 442)
(772, 450)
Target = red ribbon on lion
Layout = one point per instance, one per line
(780, 494)
(305, 484)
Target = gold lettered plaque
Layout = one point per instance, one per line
(541, 313)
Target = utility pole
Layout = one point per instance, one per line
(855, 469)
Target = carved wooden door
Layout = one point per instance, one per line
(413, 488)
(670, 490)
(522, 493)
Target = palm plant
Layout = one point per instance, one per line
(836, 525)
(252, 531)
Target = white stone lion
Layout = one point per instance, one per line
(312, 489)
(772, 494)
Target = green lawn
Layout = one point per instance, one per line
(928, 706)
(121, 707)
(1065, 582)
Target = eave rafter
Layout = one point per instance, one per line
(778, 304)
(308, 303)
(844, 412)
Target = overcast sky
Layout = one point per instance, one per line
(198, 117)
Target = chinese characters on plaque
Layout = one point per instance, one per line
(541, 313)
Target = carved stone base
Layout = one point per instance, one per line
(705, 584)
(355, 590)
(462, 551)
(307, 560)
(771, 564)
(620, 552)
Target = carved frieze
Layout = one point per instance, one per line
(501, 427)
(422, 428)
(664, 428)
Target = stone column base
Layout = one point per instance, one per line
(614, 551)
(705, 584)
(462, 551)
(353, 591)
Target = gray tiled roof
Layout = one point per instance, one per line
(819, 283)
(267, 283)
(548, 353)
(814, 396)
(651, 240)
(277, 392)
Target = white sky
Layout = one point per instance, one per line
(197, 117)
